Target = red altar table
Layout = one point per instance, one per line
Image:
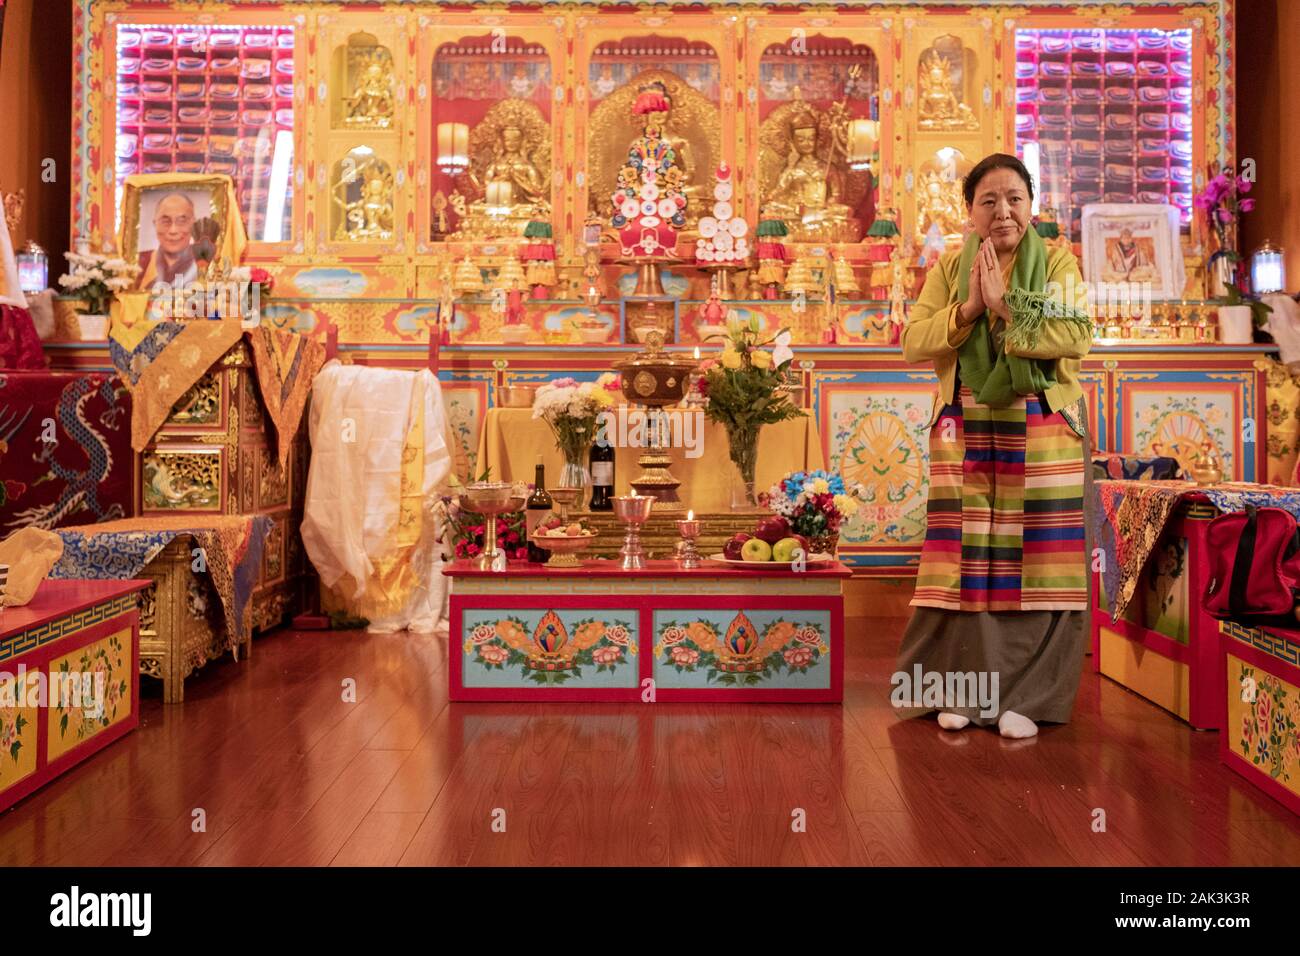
(597, 633)
(1150, 632)
(77, 629)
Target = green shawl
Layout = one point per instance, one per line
(996, 378)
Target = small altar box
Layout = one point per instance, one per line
(69, 679)
(1260, 735)
(662, 634)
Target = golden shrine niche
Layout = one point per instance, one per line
(508, 180)
(692, 129)
(362, 198)
(943, 73)
(364, 79)
(804, 174)
(939, 200)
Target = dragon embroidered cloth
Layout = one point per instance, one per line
(65, 450)
(285, 363)
(229, 549)
(1131, 516)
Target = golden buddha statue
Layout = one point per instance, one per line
(369, 217)
(371, 102)
(808, 189)
(939, 202)
(938, 104)
(509, 173)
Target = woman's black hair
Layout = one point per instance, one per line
(987, 165)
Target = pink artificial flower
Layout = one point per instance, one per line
(1243, 184)
(1246, 205)
(1225, 216)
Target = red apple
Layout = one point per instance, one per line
(772, 529)
(731, 550)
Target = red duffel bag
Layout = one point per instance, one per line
(1254, 560)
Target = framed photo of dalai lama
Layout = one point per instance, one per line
(174, 226)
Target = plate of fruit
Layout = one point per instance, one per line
(564, 541)
(771, 543)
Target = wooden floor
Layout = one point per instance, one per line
(286, 773)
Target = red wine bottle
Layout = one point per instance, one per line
(602, 476)
(538, 506)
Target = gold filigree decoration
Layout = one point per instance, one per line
(182, 481)
(201, 405)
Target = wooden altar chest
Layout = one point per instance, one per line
(597, 633)
(215, 455)
(74, 636)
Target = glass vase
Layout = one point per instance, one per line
(574, 473)
(743, 449)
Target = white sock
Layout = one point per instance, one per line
(1016, 726)
(952, 721)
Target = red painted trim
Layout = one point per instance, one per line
(1201, 652)
(41, 657)
(56, 599)
(644, 606)
(604, 568)
(1227, 735)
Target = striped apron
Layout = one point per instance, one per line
(1004, 525)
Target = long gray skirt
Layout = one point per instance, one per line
(1037, 656)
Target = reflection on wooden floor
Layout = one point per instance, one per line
(286, 773)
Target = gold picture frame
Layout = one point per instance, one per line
(209, 231)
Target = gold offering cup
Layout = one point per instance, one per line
(564, 550)
(655, 379)
(634, 511)
(490, 498)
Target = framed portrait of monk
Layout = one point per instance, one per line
(1134, 245)
(174, 226)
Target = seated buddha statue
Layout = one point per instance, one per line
(939, 202)
(511, 189)
(938, 106)
(807, 193)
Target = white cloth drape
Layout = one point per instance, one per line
(360, 418)
(11, 291)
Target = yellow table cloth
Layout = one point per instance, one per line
(511, 441)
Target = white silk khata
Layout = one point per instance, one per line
(380, 457)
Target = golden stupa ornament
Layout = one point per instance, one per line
(511, 276)
(845, 280)
(467, 279)
(799, 278)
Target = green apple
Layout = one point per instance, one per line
(784, 549)
(756, 549)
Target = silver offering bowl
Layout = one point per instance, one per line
(490, 498)
(634, 511)
(565, 497)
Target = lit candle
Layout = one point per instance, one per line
(690, 514)
(453, 146)
(862, 135)
(697, 353)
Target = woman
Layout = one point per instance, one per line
(1002, 589)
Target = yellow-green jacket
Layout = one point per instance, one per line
(931, 332)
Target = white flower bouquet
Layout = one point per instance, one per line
(572, 409)
(96, 278)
